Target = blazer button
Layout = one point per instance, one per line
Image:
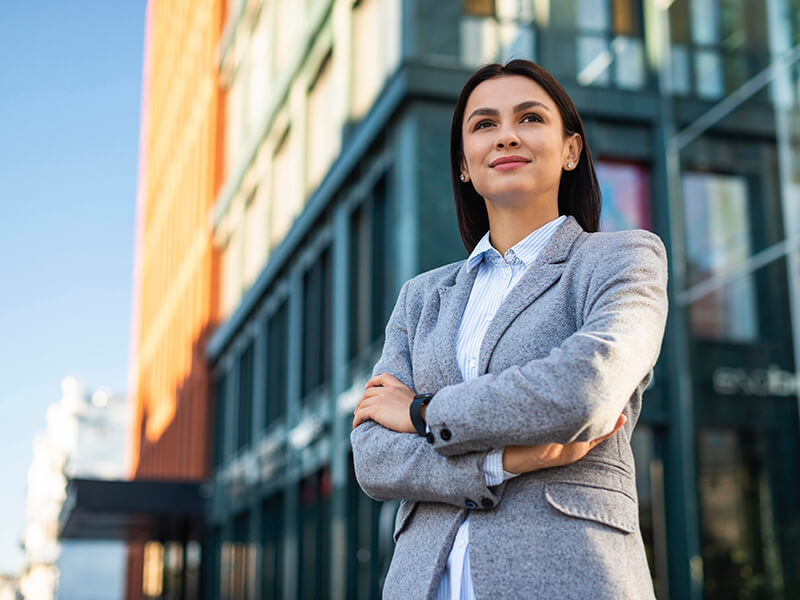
(429, 437)
(486, 503)
(446, 435)
(471, 504)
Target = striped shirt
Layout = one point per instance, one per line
(494, 280)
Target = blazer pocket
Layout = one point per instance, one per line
(603, 505)
(404, 512)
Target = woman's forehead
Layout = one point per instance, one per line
(506, 91)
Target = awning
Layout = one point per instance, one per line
(97, 509)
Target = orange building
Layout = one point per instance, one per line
(174, 312)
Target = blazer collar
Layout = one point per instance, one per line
(537, 278)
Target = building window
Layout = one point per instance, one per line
(317, 324)
(496, 30)
(243, 555)
(322, 144)
(371, 274)
(219, 420)
(625, 189)
(314, 536)
(285, 202)
(277, 363)
(256, 235)
(610, 48)
(272, 531)
(375, 50)
(153, 570)
(369, 549)
(717, 221)
(716, 46)
(245, 412)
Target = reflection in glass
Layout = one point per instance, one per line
(650, 490)
(743, 543)
(625, 188)
(716, 209)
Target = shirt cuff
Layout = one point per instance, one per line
(492, 467)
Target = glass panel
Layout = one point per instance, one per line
(323, 127)
(716, 210)
(705, 21)
(680, 80)
(277, 339)
(478, 8)
(594, 60)
(366, 566)
(592, 15)
(647, 444)
(625, 189)
(627, 18)
(382, 276)
(359, 287)
(747, 480)
(245, 426)
(317, 324)
(272, 544)
(708, 74)
(479, 40)
(243, 574)
(285, 198)
(256, 235)
(219, 420)
(629, 60)
(314, 538)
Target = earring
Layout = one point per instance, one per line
(569, 165)
(463, 177)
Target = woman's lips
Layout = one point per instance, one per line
(506, 166)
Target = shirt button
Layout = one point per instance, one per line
(486, 503)
(473, 363)
(429, 437)
(445, 434)
(470, 504)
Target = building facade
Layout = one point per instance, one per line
(173, 309)
(326, 186)
(85, 437)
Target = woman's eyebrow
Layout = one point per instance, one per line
(491, 112)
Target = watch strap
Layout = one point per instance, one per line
(415, 410)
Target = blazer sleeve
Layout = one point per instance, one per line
(389, 464)
(579, 389)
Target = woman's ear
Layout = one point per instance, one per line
(464, 174)
(573, 145)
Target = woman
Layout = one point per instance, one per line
(502, 407)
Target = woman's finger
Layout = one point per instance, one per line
(361, 415)
(381, 379)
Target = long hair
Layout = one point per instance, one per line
(578, 191)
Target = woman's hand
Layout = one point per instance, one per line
(523, 459)
(386, 401)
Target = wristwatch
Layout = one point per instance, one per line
(419, 401)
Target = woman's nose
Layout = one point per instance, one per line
(507, 138)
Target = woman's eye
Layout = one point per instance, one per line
(482, 123)
(531, 116)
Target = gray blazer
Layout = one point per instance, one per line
(572, 346)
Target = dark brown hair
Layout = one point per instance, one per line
(578, 191)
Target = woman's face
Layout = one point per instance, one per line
(513, 141)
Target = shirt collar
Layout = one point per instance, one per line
(527, 249)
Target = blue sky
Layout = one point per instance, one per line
(69, 137)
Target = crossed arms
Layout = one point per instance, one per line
(575, 393)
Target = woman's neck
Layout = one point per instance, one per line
(508, 225)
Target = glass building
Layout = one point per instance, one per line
(336, 191)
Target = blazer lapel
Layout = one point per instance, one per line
(538, 277)
(453, 298)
